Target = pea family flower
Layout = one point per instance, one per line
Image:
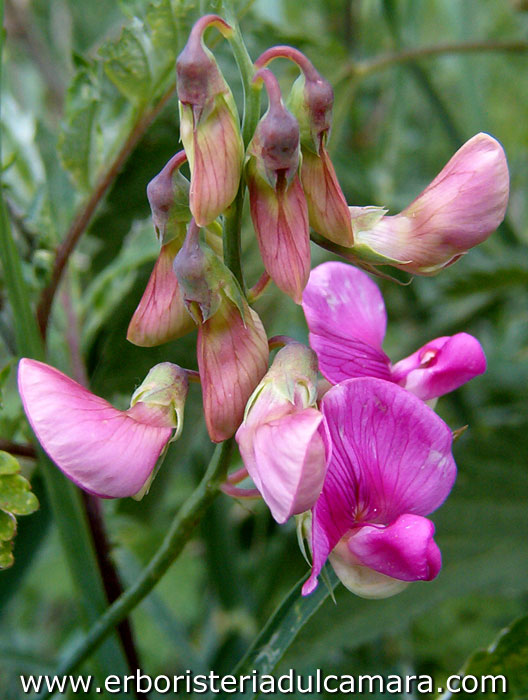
(232, 347)
(390, 466)
(107, 452)
(461, 207)
(161, 315)
(281, 439)
(311, 100)
(347, 320)
(209, 125)
(277, 202)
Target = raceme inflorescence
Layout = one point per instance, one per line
(334, 433)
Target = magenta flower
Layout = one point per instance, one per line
(281, 439)
(390, 466)
(346, 317)
(461, 207)
(107, 452)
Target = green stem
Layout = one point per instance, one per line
(182, 527)
(233, 216)
(247, 71)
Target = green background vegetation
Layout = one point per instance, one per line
(75, 87)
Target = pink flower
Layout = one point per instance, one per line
(281, 438)
(232, 347)
(107, 452)
(209, 125)
(346, 317)
(277, 202)
(461, 207)
(390, 466)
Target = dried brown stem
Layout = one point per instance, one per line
(18, 449)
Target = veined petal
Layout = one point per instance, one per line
(440, 366)
(327, 207)
(232, 358)
(391, 455)
(404, 550)
(280, 219)
(291, 462)
(107, 452)
(216, 163)
(161, 314)
(461, 207)
(346, 317)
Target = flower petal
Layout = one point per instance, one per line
(404, 550)
(391, 455)
(290, 462)
(280, 219)
(327, 207)
(461, 207)
(440, 366)
(107, 452)
(161, 314)
(232, 359)
(346, 316)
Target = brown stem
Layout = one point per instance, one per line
(258, 288)
(87, 210)
(15, 448)
(110, 577)
(364, 68)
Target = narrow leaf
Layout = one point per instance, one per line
(280, 631)
(506, 657)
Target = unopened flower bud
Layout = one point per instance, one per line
(107, 452)
(161, 315)
(311, 100)
(209, 125)
(168, 196)
(277, 202)
(165, 387)
(232, 347)
(461, 207)
(281, 440)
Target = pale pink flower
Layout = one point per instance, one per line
(107, 452)
(461, 207)
(281, 438)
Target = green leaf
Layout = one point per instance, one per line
(281, 629)
(7, 526)
(8, 464)
(126, 63)
(15, 495)
(6, 555)
(76, 140)
(508, 657)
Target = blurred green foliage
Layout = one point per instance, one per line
(78, 78)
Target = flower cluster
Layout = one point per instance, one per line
(359, 453)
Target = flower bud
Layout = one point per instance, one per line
(461, 207)
(168, 196)
(311, 100)
(281, 438)
(277, 202)
(107, 452)
(161, 315)
(165, 387)
(232, 347)
(209, 126)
